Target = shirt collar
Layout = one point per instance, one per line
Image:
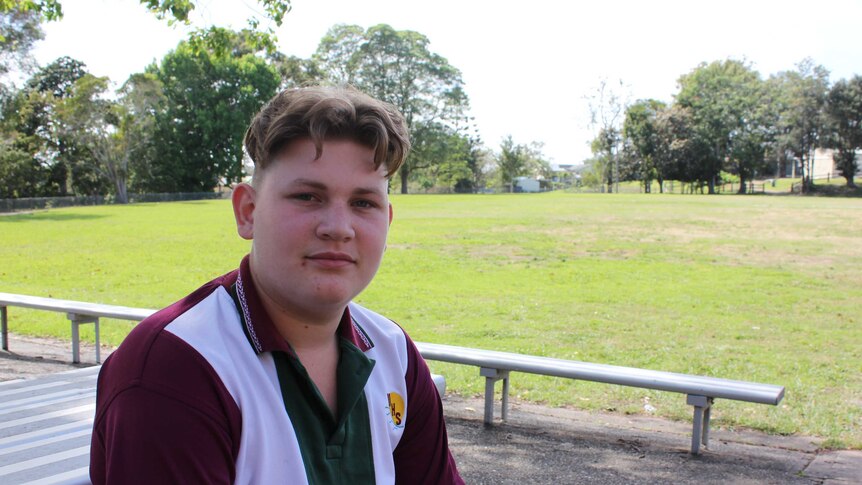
(261, 331)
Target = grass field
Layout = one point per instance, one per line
(762, 288)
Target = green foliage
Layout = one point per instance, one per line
(451, 152)
(607, 106)
(511, 162)
(48, 9)
(722, 97)
(113, 135)
(844, 118)
(398, 67)
(718, 287)
(19, 31)
(37, 156)
(209, 99)
(517, 160)
(801, 96)
(641, 130)
(210, 38)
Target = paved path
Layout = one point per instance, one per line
(541, 445)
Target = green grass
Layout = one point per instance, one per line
(754, 288)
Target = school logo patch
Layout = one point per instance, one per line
(396, 409)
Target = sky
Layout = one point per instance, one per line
(528, 67)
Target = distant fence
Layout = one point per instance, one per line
(32, 203)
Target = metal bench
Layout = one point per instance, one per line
(45, 428)
(77, 312)
(495, 366)
(700, 391)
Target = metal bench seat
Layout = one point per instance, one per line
(700, 391)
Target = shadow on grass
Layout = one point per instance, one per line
(835, 191)
(18, 217)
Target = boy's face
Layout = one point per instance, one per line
(318, 226)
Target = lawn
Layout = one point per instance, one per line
(762, 288)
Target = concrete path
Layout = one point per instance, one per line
(540, 445)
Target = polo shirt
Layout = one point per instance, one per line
(207, 391)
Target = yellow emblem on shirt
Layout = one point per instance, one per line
(396, 409)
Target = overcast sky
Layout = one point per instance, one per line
(527, 65)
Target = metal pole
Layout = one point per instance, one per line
(489, 400)
(76, 358)
(5, 329)
(98, 347)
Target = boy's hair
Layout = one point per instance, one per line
(323, 113)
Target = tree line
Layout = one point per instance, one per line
(726, 120)
(178, 125)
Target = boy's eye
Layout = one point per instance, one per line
(304, 197)
(364, 204)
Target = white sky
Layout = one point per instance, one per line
(527, 65)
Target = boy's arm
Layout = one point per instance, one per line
(422, 455)
(146, 437)
(163, 416)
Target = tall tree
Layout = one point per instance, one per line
(844, 118)
(93, 123)
(608, 105)
(640, 129)
(209, 99)
(605, 147)
(801, 124)
(398, 67)
(721, 96)
(31, 132)
(141, 99)
(112, 133)
(679, 147)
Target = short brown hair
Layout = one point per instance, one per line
(322, 113)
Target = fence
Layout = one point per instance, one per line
(12, 205)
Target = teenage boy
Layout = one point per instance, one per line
(270, 374)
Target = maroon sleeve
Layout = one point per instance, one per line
(422, 455)
(162, 416)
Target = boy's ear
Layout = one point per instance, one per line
(390, 214)
(243, 210)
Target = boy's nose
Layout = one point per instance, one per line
(336, 224)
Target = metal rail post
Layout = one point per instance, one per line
(4, 329)
(491, 377)
(700, 430)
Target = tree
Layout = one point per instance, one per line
(640, 129)
(209, 99)
(31, 131)
(47, 9)
(294, 71)
(722, 96)
(679, 147)
(398, 67)
(479, 161)
(141, 100)
(113, 133)
(451, 150)
(607, 108)
(511, 162)
(844, 118)
(19, 31)
(94, 122)
(802, 94)
(517, 160)
(210, 38)
(605, 148)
